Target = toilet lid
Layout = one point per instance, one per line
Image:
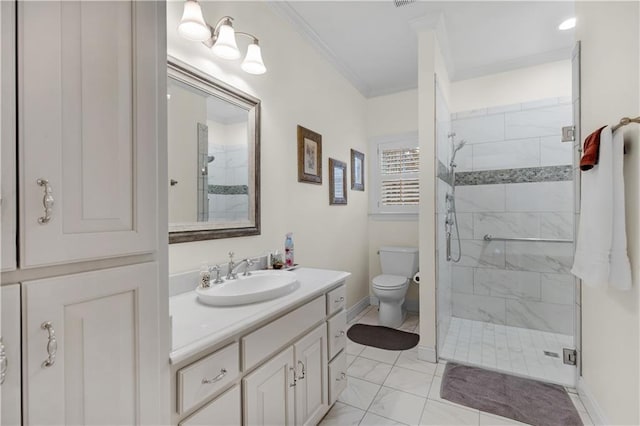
(389, 281)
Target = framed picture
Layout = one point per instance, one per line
(357, 170)
(337, 182)
(309, 156)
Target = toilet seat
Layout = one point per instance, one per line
(389, 282)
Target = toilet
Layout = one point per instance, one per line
(399, 264)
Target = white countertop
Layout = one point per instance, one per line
(196, 326)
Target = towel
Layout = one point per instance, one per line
(590, 150)
(601, 249)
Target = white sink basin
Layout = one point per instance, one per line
(258, 287)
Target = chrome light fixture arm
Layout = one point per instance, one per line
(225, 20)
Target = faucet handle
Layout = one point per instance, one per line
(216, 269)
(231, 254)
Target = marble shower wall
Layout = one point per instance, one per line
(444, 268)
(523, 284)
(228, 179)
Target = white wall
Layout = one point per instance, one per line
(610, 319)
(185, 110)
(521, 85)
(301, 88)
(394, 114)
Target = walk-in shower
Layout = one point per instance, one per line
(507, 302)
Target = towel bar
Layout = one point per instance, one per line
(489, 237)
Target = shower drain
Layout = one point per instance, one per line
(551, 354)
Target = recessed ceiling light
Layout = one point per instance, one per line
(567, 24)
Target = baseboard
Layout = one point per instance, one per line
(595, 412)
(373, 301)
(427, 353)
(353, 311)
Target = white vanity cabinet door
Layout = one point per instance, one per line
(269, 392)
(223, 411)
(10, 388)
(312, 393)
(88, 97)
(8, 134)
(103, 367)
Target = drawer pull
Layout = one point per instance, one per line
(340, 334)
(341, 299)
(47, 201)
(3, 362)
(223, 372)
(303, 370)
(52, 344)
(342, 377)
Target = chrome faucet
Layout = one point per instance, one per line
(248, 262)
(230, 274)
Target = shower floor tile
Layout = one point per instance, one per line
(513, 350)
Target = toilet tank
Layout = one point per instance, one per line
(401, 261)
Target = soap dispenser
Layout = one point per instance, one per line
(288, 250)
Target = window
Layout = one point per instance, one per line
(396, 185)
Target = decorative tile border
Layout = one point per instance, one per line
(228, 189)
(523, 175)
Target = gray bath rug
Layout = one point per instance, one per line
(382, 337)
(525, 400)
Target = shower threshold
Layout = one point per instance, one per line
(514, 350)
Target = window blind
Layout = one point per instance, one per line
(399, 184)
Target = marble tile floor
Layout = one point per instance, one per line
(396, 388)
(513, 350)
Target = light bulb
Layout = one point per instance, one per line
(225, 46)
(253, 61)
(192, 25)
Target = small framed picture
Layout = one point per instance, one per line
(337, 182)
(309, 156)
(357, 170)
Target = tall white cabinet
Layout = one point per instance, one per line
(90, 256)
(87, 114)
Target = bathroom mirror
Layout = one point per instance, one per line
(214, 157)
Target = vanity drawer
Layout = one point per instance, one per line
(219, 368)
(337, 328)
(336, 299)
(337, 376)
(273, 336)
(224, 410)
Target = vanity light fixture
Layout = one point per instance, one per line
(567, 24)
(221, 39)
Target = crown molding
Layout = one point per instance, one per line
(287, 12)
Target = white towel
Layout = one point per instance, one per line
(601, 249)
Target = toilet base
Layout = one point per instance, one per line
(391, 314)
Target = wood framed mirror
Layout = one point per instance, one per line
(214, 157)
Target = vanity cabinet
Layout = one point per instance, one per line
(10, 389)
(88, 79)
(287, 375)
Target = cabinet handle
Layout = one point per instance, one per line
(341, 299)
(342, 377)
(293, 370)
(303, 370)
(4, 363)
(47, 201)
(223, 372)
(52, 344)
(340, 334)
